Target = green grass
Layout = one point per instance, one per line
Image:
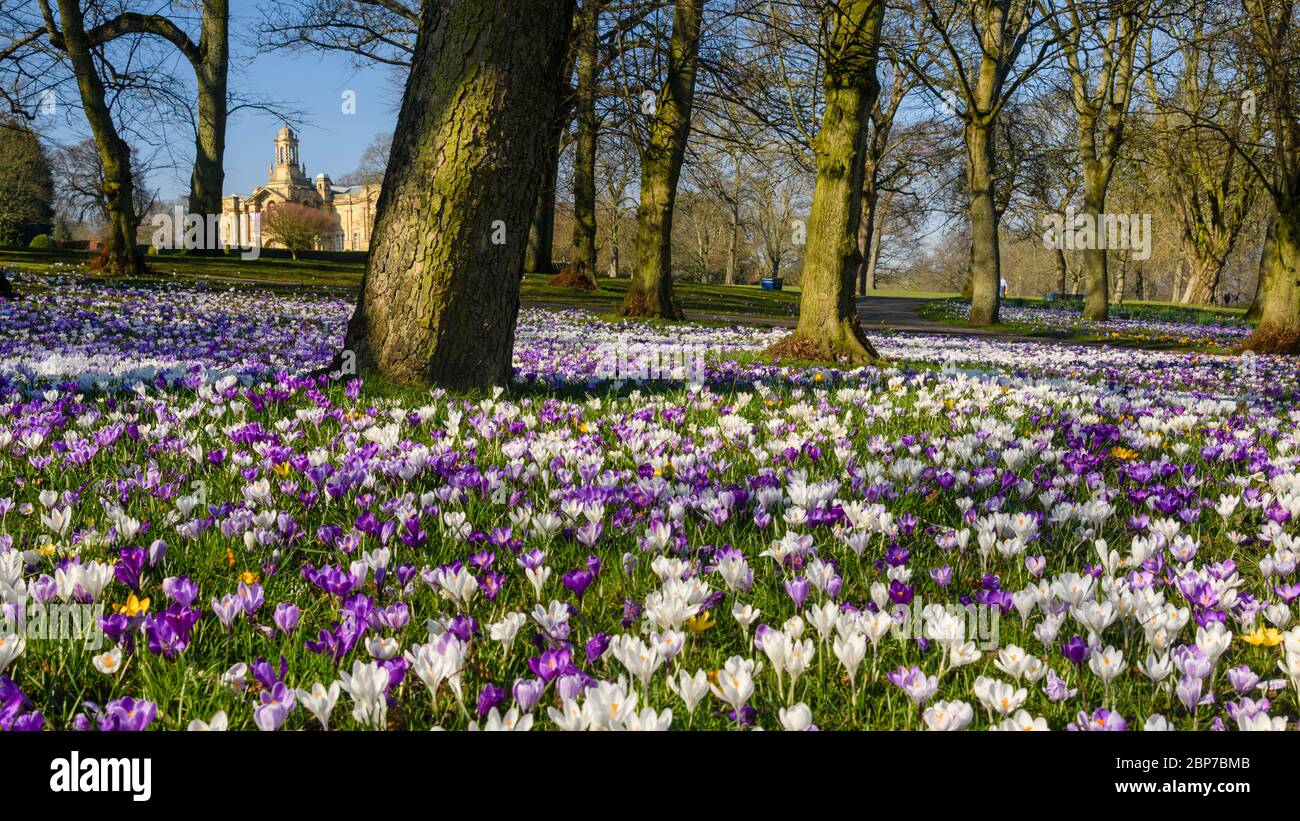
(701, 302)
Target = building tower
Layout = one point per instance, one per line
(287, 167)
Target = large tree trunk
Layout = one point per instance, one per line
(584, 161)
(121, 256)
(1278, 297)
(985, 258)
(650, 293)
(208, 175)
(829, 326)
(441, 291)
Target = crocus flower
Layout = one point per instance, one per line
(286, 617)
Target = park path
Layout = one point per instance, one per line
(878, 313)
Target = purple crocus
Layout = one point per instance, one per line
(180, 590)
(1102, 720)
(126, 715)
(286, 617)
(1076, 650)
(527, 692)
(490, 696)
(797, 589)
(596, 647)
(577, 581)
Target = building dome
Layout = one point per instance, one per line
(285, 133)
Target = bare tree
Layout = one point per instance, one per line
(296, 227)
(1099, 40)
(979, 54)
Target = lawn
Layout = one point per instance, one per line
(651, 527)
(704, 301)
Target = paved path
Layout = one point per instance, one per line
(890, 313)
(879, 313)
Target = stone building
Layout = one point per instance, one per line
(353, 207)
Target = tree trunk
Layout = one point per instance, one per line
(121, 256)
(1278, 297)
(1121, 281)
(441, 291)
(867, 240)
(208, 174)
(1096, 277)
(541, 229)
(584, 161)
(733, 245)
(650, 293)
(985, 262)
(1202, 281)
(881, 214)
(829, 326)
(1266, 260)
(1062, 270)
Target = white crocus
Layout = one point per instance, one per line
(216, 725)
(366, 685)
(796, 718)
(946, 716)
(11, 647)
(736, 681)
(109, 663)
(320, 701)
(511, 721)
(690, 689)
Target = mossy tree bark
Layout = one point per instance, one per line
(1277, 301)
(1096, 267)
(440, 295)
(1274, 42)
(1266, 262)
(121, 256)
(584, 161)
(650, 293)
(829, 326)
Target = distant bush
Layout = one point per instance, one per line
(42, 242)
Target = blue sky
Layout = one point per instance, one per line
(329, 140)
(310, 82)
